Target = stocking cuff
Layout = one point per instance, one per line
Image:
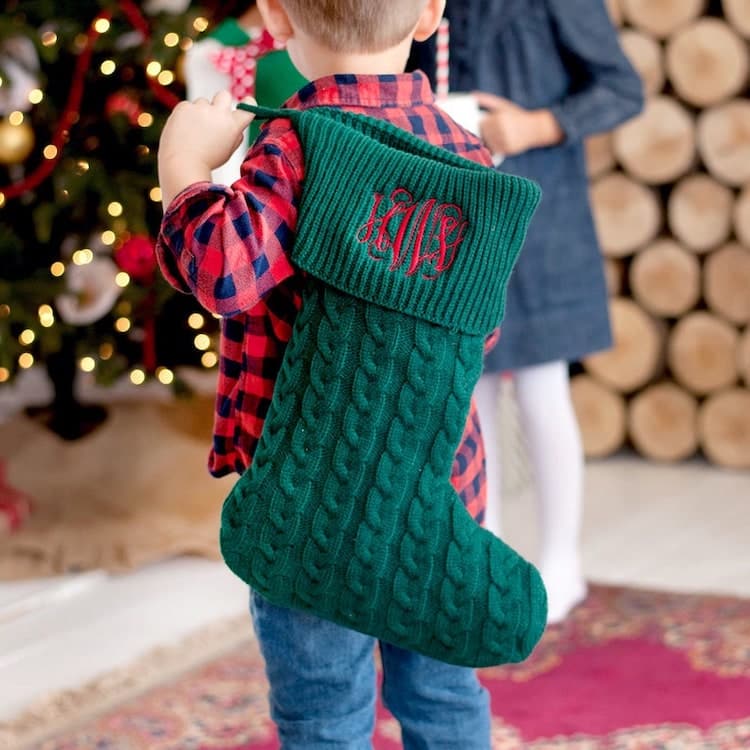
(391, 219)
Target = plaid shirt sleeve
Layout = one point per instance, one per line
(468, 473)
(229, 246)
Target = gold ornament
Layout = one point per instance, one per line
(16, 142)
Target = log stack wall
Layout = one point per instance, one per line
(670, 191)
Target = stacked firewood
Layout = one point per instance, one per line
(670, 192)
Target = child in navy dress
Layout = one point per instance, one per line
(548, 73)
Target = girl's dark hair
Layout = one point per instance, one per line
(220, 10)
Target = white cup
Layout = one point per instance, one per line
(465, 110)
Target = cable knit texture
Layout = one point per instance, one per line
(347, 510)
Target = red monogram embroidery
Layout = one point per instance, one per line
(421, 236)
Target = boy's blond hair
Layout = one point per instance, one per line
(350, 26)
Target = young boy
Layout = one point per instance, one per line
(230, 246)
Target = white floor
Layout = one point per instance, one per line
(52, 637)
(684, 528)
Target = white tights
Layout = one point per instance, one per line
(556, 455)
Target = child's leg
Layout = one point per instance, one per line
(439, 706)
(322, 679)
(554, 442)
(487, 397)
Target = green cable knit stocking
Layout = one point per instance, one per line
(347, 510)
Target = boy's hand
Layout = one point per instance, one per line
(199, 136)
(509, 129)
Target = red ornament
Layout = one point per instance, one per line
(15, 505)
(123, 103)
(137, 258)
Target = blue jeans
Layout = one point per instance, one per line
(323, 688)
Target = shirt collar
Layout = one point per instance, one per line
(402, 90)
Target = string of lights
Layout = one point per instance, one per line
(133, 319)
(158, 80)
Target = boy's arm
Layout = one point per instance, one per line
(609, 91)
(198, 137)
(229, 245)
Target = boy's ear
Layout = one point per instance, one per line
(429, 20)
(276, 19)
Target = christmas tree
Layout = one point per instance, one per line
(84, 92)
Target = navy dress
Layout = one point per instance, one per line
(561, 55)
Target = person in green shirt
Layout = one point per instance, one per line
(238, 54)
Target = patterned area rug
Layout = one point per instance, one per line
(133, 492)
(630, 670)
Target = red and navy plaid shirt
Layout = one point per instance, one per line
(230, 247)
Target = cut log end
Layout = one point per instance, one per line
(737, 12)
(726, 283)
(662, 422)
(661, 17)
(627, 214)
(702, 353)
(636, 357)
(707, 62)
(724, 428)
(724, 141)
(601, 416)
(665, 279)
(645, 54)
(658, 146)
(699, 212)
